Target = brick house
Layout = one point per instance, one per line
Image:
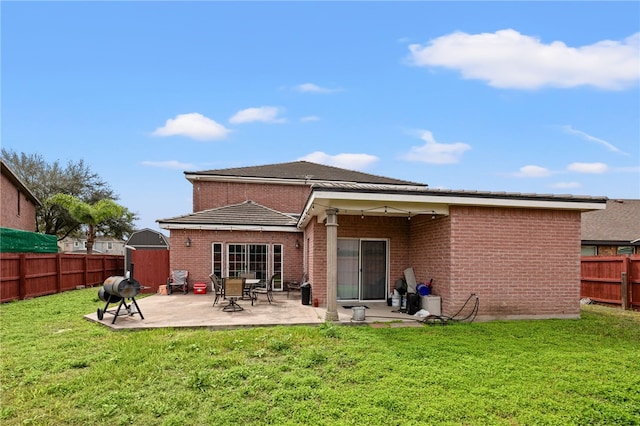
(613, 231)
(355, 233)
(18, 202)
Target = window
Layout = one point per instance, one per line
(589, 251)
(216, 259)
(626, 250)
(277, 266)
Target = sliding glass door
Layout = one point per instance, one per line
(362, 269)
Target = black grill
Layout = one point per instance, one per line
(117, 289)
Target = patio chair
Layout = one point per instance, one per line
(296, 285)
(265, 288)
(233, 290)
(178, 278)
(248, 288)
(216, 287)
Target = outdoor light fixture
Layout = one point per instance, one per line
(297, 244)
(433, 215)
(187, 243)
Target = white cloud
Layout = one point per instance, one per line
(592, 168)
(314, 88)
(265, 114)
(565, 185)
(532, 171)
(309, 118)
(433, 152)
(346, 161)
(508, 59)
(590, 138)
(194, 126)
(171, 164)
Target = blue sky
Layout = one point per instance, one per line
(539, 97)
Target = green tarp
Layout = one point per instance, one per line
(17, 241)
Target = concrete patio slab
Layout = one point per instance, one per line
(196, 311)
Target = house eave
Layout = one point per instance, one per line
(223, 227)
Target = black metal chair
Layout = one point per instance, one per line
(265, 288)
(217, 287)
(296, 285)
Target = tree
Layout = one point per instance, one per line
(98, 217)
(47, 179)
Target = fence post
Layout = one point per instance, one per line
(59, 273)
(623, 290)
(22, 283)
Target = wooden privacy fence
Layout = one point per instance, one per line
(26, 275)
(611, 279)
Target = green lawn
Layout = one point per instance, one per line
(58, 368)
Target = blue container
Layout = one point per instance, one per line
(423, 289)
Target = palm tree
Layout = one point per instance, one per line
(96, 216)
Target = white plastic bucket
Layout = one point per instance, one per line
(395, 301)
(358, 313)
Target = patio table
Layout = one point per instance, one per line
(249, 284)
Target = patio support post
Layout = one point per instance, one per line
(332, 265)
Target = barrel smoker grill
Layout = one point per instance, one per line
(118, 289)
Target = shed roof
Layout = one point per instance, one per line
(147, 238)
(619, 222)
(299, 171)
(246, 215)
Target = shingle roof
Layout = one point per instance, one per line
(147, 238)
(303, 171)
(620, 221)
(248, 213)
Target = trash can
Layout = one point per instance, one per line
(305, 290)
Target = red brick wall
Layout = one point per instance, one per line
(520, 262)
(283, 198)
(316, 234)
(197, 258)
(430, 250)
(10, 218)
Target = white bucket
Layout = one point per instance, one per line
(395, 301)
(358, 313)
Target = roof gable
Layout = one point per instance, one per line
(301, 171)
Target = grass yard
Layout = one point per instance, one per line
(59, 369)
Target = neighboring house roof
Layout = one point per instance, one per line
(248, 215)
(147, 238)
(13, 178)
(297, 171)
(618, 224)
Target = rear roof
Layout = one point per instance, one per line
(303, 171)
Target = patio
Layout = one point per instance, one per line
(196, 311)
